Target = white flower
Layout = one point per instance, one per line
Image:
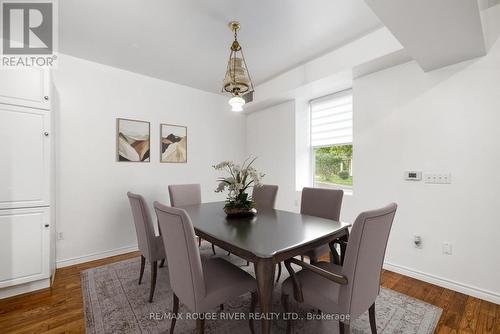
(241, 177)
(223, 164)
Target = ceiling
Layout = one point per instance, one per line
(187, 41)
(434, 33)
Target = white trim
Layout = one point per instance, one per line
(445, 283)
(95, 256)
(24, 288)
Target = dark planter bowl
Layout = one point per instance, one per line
(240, 212)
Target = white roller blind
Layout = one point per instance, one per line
(331, 119)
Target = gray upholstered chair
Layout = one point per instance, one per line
(350, 289)
(186, 195)
(200, 284)
(265, 196)
(324, 203)
(150, 245)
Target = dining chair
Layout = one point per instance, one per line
(265, 196)
(150, 245)
(350, 289)
(323, 203)
(200, 284)
(186, 195)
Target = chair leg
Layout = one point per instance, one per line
(154, 270)
(284, 302)
(213, 248)
(344, 328)
(162, 263)
(334, 257)
(200, 326)
(143, 263)
(373, 323)
(279, 272)
(175, 311)
(199, 242)
(253, 303)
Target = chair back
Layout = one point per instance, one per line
(183, 256)
(364, 259)
(324, 203)
(184, 194)
(143, 224)
(265, 196)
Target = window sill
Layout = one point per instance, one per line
(346, 189)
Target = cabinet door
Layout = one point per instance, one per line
(24, 157)
(24, 245)
(25, 87)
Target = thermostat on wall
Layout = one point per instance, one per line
(413, 176)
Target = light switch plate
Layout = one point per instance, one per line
(437, 178)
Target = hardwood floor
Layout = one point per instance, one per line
(60, 309)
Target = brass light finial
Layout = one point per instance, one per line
(234, 26)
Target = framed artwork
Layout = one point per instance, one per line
(173, 143)
(132, 140)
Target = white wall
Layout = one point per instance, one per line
(441, 121)
(92, 207)
(270, 136)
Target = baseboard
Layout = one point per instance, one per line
(445, 283)
(95, 256)
(24, 288)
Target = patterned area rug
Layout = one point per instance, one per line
(115, 303)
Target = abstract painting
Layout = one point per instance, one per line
(173, 143)
(133, 140)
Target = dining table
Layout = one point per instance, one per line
(266, 239)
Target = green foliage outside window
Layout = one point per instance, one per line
(333, 165)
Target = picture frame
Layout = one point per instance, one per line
(133, 140)
(173, 143)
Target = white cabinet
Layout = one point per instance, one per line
(27, 229)
(24, 245)
(25, 158)
(25, 87)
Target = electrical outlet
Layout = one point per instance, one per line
(417, 241)
(447, 248)
(60, 236)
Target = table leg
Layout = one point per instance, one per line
(343, 247)
(264, 272)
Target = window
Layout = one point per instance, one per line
(331, 140)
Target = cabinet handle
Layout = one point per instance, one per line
(47, 225)
(46, 134)
(46, 98)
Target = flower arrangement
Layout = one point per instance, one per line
(240, 178)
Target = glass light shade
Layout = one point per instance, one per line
(237, 103)
(236, 78)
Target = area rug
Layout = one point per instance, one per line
(115, 303)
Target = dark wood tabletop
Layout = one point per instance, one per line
(266, 239)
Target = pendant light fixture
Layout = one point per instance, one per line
(237, 80)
